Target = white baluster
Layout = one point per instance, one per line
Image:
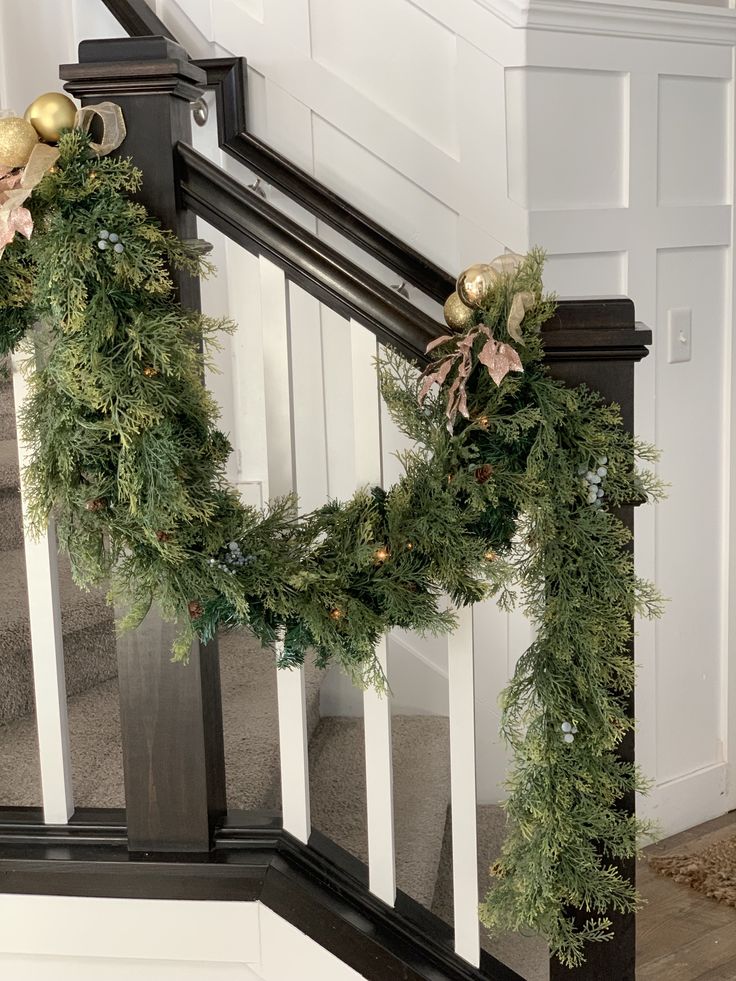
(48, 654)
(293, 751)
(463, 788)
(376, 708)
(290, 684)
(379, 785)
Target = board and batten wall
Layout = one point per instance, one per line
(85, 939)
(603, 133)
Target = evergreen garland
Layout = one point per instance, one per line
(127, 458)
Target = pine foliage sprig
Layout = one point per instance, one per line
(127, 457)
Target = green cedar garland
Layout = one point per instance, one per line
(127, 457)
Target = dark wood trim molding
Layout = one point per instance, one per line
(318, 267)
(317, 888)
(137, 18)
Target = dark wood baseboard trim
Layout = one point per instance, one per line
(319, 888)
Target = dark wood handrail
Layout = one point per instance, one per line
(137, 19)
(318, 267)
(582, 330)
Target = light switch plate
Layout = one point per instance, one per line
(679, 334)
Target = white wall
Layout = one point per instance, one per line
(155, 940)
(600, 131)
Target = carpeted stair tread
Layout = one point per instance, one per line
(88, 633)
(8, 464)
(528, 956)
(251, 736)
(7, 408)
(78, 608)
(421, 793)
(11, 521)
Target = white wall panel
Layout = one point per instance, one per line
(35, 968)
(376, 46)
(575, 153)
(586, 274)
(693, 135)
(373, 186)
(35, 38)
(155, 940)
(690, 407)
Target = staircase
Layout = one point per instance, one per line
(319, 884)
(336, 744)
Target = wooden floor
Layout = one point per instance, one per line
(682, 935)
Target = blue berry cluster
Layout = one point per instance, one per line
(232, 558)
(106, 239)
(593, 480)
(569, 731)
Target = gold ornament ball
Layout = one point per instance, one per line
(457, 315)
(50, 113)
(17, 140)
(474, 284)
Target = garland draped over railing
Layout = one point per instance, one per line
(510, 489)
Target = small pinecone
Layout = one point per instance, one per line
(498, 870)
(98, 504)
(163, 536)
(482, 474)
(195, 609)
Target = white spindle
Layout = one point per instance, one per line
(293, 749)
(379, 785)
(48, 655)
(376, 708)
(291, 691)
(463, 788)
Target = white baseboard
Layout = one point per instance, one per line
(688, 801)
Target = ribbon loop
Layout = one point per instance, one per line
(113, 126)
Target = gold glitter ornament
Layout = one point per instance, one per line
(17, 140)
(475, 282)
(457, 315)
(150, 372)
(50, 113)
(336, 614)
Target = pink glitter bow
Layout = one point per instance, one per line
(15, 187)
(498, 358)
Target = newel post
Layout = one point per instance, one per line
(171, 715)
(598, 343)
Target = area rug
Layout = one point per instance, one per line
(711, 871)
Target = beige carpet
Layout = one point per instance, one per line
(708, 867)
